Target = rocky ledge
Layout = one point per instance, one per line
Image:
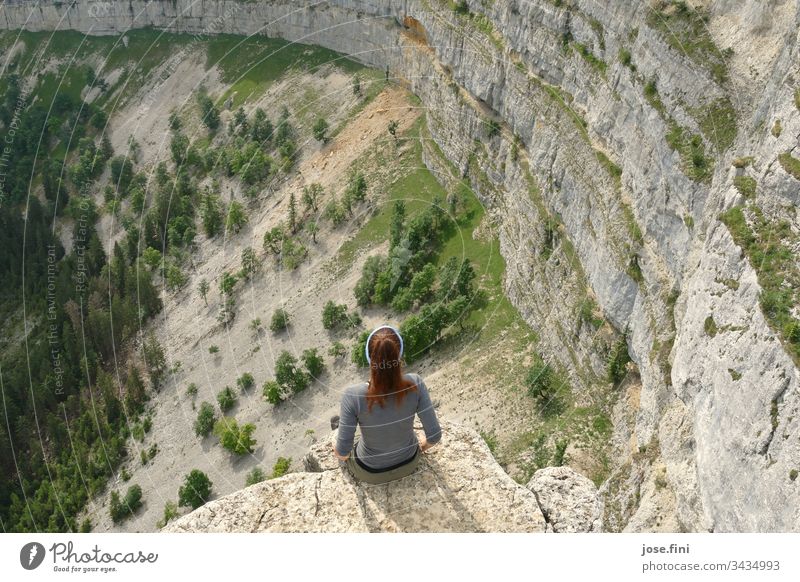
(458, 487)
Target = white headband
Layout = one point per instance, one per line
(394, 329)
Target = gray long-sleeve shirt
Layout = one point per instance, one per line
(387, 433)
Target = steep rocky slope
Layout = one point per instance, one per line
(606, 140)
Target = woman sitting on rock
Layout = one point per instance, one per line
(384, 409)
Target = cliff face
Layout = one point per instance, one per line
(601, 137)
(458, 487)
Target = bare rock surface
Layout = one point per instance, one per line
(458, 487)
(569, 501)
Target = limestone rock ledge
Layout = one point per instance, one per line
(458, 487)
(569, 501)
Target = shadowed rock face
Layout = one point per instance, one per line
(458, 487)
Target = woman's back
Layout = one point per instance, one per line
(387, 432)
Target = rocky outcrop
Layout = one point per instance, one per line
(458, 487)
(605, 166)
(569, 501)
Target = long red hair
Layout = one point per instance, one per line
(386, 369)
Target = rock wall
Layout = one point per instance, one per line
(564, 115)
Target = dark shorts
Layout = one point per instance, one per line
(376, 476)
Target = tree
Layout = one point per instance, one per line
(334, 212)
(333, 315)
(292, 214)
(320, 130)
(174, 121)
(206, 417)
(261, 127)
(273, 239)
(393, 127)
(154, 358)
(245, 381)
(203, 289)
(448, 275)
(283, 133)
(313, 229)
(226, 283)
(173, 276)
(422, 283)
(289, 375)
(208, 111)
(211, 214)
(234, 438)
(249, 262)
(151, 257)
(356, 187)
(541, 383)
(226, 399)
(134, 391)
(396, 226)
(313, 362)
(466, 274)
(121, 509)
(364, 290)
(196, 489)
(272, 392)
(237, 217)
(311, 195)
(280, 320)
(121, 173)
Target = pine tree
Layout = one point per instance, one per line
(203, 288)
(292, 213)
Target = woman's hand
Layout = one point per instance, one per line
(338, 456)
(423, 444)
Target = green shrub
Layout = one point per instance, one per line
(206, 417)
(313, 362)
(280, 320)
(289, 375)
(337, 350)
(357, 355)
(234, 438)
(245, 381)
(226, 399)
(170, 513)
(625, 58)
(256, 475)
(618, 358)
(213, 349)
(272, 392)
(320, 130)
(541, 384)
(281, 467)
(746, 186)
(790, 164)
(191, 390)
(196, 489)
(333, 315)
(124, 508)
